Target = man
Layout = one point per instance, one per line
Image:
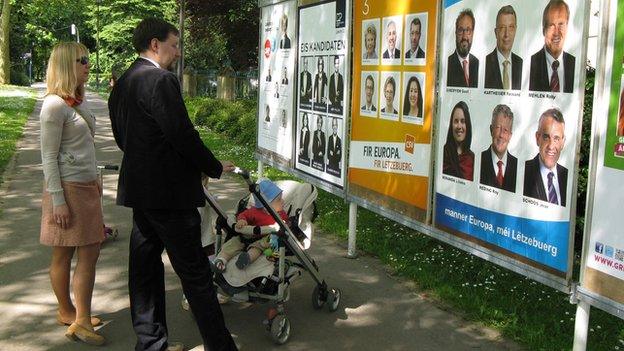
(498, 166)
(369, 87)
(284, 39)
(320, 82)
(160, 179)
(544, 178)
(334, 150)
(462, 66)
(391, 35)
(285, 76)
(415, 50)
(267, 113)
(503, 68)
(546, 71)
(318, 143)
(305, 79)
(268, 77)
(336, 85)
(276, 94)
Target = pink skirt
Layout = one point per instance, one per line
(86, 225)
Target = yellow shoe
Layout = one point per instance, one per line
(78, 332)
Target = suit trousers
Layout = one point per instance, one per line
(179, 232)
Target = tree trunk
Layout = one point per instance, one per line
(5, 61)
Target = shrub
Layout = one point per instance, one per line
(18, 77)
(234, 119)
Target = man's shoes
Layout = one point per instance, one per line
(77, 332)
(175, 346)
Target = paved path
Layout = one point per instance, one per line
(378, 312)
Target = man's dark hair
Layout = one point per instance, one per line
(416, 22)
(506, 10)
(465, 12)
(149, 29)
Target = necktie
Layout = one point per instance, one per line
(465, 64)
(506, 83)
(554, 79)
(499, 174)
(552, 194)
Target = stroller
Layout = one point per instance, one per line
(269, 281)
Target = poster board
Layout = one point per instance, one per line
(322, 93)
(276, 59)
(513, 208)
(394, 45)
(602, 269)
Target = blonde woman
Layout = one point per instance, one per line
(71, 220)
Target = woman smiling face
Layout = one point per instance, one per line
(413, 94)
(389, 95)
(459, 125)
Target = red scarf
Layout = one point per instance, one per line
(73, 101)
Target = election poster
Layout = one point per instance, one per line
(322, 88)
(512, 80)
(603, 271)
(277, 54)
(392, 104)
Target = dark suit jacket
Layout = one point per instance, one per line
(373, 108)
(383, 109)
(304, 139)
(493, 78)
(533, 184)
(335, 98)
(284, 80)
(268, 78)
(163, 155)
(397, 54)
(305, 91)
(488, 173)
(284, 43)
(455, 72)
(334, 152)
(419, 53)
(539, 79)
(318, 146)
(320, 84)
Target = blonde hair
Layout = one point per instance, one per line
(61, 77)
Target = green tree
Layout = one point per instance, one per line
(5, 62)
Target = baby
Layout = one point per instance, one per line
(253, 216)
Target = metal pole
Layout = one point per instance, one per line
(581, 325)
(260, 169)
(97, 45)
(351, 252)
(181, 60)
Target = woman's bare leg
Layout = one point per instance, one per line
(84, 278)
(60, 268)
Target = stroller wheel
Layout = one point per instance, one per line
(319, 297)
(334, 299)
(280, 329)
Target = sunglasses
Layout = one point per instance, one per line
(83, 60)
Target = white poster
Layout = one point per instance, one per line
(323, 88)
(509, 108)
(276, 85)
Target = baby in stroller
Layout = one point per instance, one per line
(255, 216)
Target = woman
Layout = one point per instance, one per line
(389, 90)
(304, 138)
(458, 159)
(620, 129)
(71, 218)
(370, 43)
(412, 103)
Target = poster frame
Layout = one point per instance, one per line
(603, 81)
(540, 275)
(264, 155)
(316, 181)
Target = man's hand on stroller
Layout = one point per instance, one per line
(228, 166)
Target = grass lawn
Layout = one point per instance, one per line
(530, 313)
(16, 104)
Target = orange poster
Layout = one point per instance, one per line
(394, 55)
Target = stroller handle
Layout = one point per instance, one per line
(242, 172)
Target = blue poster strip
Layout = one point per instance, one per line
(448, 3)
(545, 242)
